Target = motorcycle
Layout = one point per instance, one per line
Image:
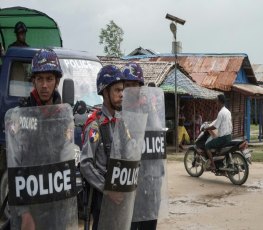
(231, 161)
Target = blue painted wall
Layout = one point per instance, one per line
(242, 79)
(248, 119)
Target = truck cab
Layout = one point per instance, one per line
(15, 74)
(15, 70)
(15, 84)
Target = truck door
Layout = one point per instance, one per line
(15, 80)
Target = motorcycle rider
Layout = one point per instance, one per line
(223, 124)
(97, 137)
(133, 74)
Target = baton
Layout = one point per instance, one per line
(87, 201)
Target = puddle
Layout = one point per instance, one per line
(194, 205)
(255, 186)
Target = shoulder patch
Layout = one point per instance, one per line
(94, 134)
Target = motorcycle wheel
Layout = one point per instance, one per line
(193, 163)
(241, 170)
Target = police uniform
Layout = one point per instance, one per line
(94, 157)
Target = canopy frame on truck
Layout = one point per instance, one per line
(42, 30)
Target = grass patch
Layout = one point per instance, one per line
(253, 127)
(175, 157)
(257, 154)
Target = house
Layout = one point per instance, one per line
(258, 70)
(142, 51)
(228, 73)
(194, 97)
(193, 101)
(257, 104)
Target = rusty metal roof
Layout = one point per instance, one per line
(214, 71)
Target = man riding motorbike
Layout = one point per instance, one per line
(223, 124)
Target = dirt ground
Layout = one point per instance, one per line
(211, 202)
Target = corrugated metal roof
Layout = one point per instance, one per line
(186, 86)
(248, 89)
(218, 80)
(217, 72)
(214, 71)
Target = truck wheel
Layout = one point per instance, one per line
(3, 193)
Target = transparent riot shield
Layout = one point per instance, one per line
(151, 200)
(123, 167)
(41, 167)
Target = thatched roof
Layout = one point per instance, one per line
(162, 74)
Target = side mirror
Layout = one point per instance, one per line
(68, 92)
(80, 107)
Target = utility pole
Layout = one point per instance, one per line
(173, 28)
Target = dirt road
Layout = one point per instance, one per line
(211, 202)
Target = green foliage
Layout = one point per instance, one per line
(257, 155)
(111, 37)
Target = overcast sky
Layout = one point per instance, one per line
(212, 26)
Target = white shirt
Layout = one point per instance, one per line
(223, 122)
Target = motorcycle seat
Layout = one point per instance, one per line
(233, 143)
(224, 149)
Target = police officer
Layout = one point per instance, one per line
(97, 137)
(145, 202)
(46, 74)
(20, 31)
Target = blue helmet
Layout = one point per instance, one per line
(107, 76)
(133, 72)
(46, 60)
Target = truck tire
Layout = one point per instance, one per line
(3, 193)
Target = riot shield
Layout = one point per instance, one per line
(123, 167)
(41, 167)
(151, 200)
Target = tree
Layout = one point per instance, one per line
(111, 38)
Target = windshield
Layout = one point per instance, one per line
(84, 74)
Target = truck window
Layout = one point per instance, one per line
(19, 84)
(84, 74)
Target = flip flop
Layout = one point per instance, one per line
(212, 169)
